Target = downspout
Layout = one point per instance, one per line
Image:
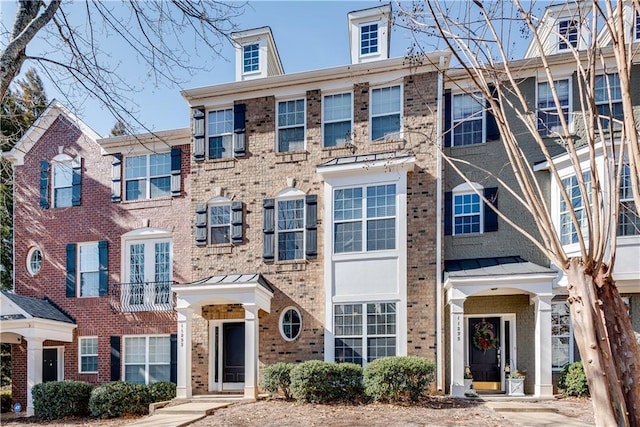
(13, 227)
(439, 308)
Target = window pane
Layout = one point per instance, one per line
(134, 190)
(162, 262)
(135, 167)
(159, 350)
(385, 126)
(385, 100)
(221, 147)
(160, 164)
(381, 234)
(290, 214)
(160, 187)
(291, 324)
(89, 364)
(134, 350)
(136, 263)
(337, 107)
(250, 57)
(89, 284)
(466, 211)
(290, 245)
(337, 133)
(62, 175)
(220, 122)
(381, 201)
(380, 347)
(348, 319)
(348, 350)
(63, 197)
(368, 39)
(291, 139)
(134, 374)
(347, 204)
(348, 237)
(159, 373)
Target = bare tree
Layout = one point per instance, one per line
(479, 37)
(161, 38)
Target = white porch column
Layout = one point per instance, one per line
(456, 311)
(543, 382)
(251, 341)
(185, 315)
(34, 369)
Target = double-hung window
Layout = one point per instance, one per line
(567, 34)
(364, 211)
(386, 108)
(548, 119)
(291, 124)
(467, 213)
(561, 336)
(220, 134)
(219, 224)
(147, 359)
(568, 230)
(337, 119)
(364, 331)
(89, 269)
(608, 99)
(148, 275)
(290, 229)
(88, 354)
(148, 176)
(368, 39)
(62, 184)
(468, 119)
(251, 58)
(629, 219)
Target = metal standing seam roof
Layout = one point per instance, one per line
(39, 308)
(231, 279)
(364, 158)
(494, 266)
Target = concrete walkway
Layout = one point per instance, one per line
(182, 414)
(531, 414)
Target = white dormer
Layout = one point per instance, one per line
(563, 27)
(256, 54)
(370, 34)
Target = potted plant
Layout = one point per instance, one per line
(515, 383)
(468, 378)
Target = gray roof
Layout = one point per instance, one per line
(364, 158)
(231, 279)
(40, 308)
(494, 266)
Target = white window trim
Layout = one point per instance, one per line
(285, 195)
(324, 121)
(230, 133)
(60, 367)
(79, 270)
(401, 111)
(253, 72)
(454, 122)
(461, 190)
(304, 124)
(543, 79)
(569, 247)
(80, 355)
(146, 356)
(571, 341)
(280, 325)
(57, 161)
(30, 255)
(147, 178)
(218, 202)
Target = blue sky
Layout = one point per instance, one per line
(309, 35)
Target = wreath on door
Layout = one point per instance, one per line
(484, 338)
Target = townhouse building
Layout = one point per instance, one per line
(507, 305)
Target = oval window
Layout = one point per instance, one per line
(34, 261)
(290, 323)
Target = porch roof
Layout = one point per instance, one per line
(493, 266)
(35, 308)
(230, 280)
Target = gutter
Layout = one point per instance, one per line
(439, 296)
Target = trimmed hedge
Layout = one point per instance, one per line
(573, 380)
(5, 401)
(395, 379)
(277, 378)
(315, 381)
(115, 399)
(162, 391)
(59, 399)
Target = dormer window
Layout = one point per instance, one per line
(567, 34)
(368, 39)
(636, 26)
(251, 58)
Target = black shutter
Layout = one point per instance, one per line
(198, 133)
(71, 270)
(173, 345)
(236, 222)
(44, 184)
(76, 181)
(447, 131)
(201, 224)
(268, 229)
(311, 202)
(491, 217)
(115, 358)
(448, 213)
(176, 160)
(116, 174)
(492, 131)
(239, 129)
(103, 257)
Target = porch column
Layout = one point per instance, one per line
(543, 382)
(251, 351)
(456, 311)
(185, 315)
(34, 369)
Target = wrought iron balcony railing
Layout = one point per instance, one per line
(144, 296)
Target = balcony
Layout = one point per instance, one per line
(144, 296)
